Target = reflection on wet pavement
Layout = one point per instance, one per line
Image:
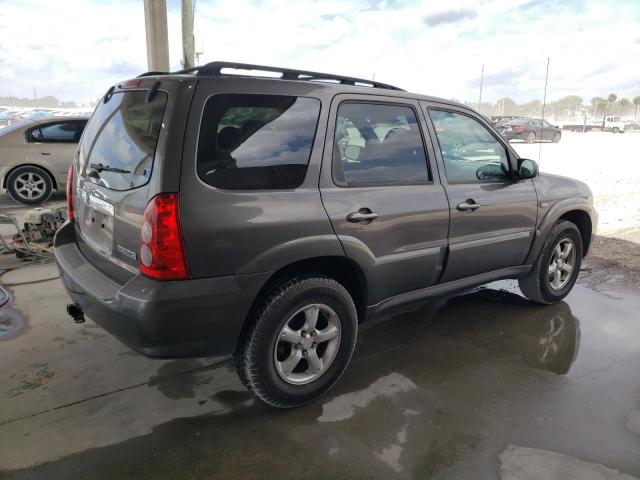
(481, 385)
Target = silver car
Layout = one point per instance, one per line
(35, 156)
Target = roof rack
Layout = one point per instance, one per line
(215, 69)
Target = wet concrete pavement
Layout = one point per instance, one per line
(482, 385)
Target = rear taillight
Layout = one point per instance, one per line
(162, 253)
(70, 191)
(519, 128)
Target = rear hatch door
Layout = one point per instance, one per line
(119, 168)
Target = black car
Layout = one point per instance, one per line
(530, 130)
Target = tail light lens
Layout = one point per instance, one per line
(519, 128)
(70, 191)
(162, 253)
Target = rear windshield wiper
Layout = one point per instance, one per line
(98, 167)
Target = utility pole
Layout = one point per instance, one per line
(481, 82)
(155, 21)
(188, 47)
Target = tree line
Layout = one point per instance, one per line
(565, 107)
(43, 102)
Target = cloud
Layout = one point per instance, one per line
(91, 44)
(448, 16)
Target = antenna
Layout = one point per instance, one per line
(544, 103)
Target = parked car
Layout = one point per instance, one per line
(499, 120)
(610, 123)
(264, 219)
(35, 156)
(530, 130)
(631, 125)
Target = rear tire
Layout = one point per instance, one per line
(280, 362)
(549, 281)
(531, 138)
(29, 185)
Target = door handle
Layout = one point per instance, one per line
(468, 206)
(363, 215)
(45, 153)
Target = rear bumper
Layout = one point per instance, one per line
(199, 317)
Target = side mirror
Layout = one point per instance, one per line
(527, 168)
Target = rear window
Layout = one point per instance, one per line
(256, 141)
(119, 142)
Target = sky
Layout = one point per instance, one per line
(75, 49)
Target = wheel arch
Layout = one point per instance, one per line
(579, 212)
(342, 269)
(582, 220)
(54, 183)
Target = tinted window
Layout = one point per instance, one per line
(256, 141)
(470, 152)
(122, 135)
(61, 132)
(377, 144)
(67, 132)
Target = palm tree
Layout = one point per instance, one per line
(597, 102)
(611, 98)
(623, 102)
(636, 102)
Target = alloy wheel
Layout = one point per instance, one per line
(30, 185)
(307, 344)
(562, 263)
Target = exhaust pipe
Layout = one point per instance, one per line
(74, 310)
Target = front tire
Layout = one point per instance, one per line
(29, 185)
(531, 138)
(301, 343)
(556, 138)
(614, 130)
(556, 270)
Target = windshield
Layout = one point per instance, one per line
(119, 142)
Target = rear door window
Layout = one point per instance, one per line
(377, 144)
(119, 143)
(60, 132)
(256, 141)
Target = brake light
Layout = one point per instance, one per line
(70, 191)
(162, 253)
(519, 128)
(132, 84)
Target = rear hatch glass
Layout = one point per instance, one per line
(114, 165)
(120, 140)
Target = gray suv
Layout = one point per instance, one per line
(214, 212)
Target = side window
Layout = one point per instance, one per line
(34, 135)
(63, 132)
(378, 144)
(470, 152)
(256, 141)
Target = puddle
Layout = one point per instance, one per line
(11, 324)
(344, 406)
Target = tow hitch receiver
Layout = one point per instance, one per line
(75, 312)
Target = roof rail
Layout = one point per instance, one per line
(215, 69)
(151, 74)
